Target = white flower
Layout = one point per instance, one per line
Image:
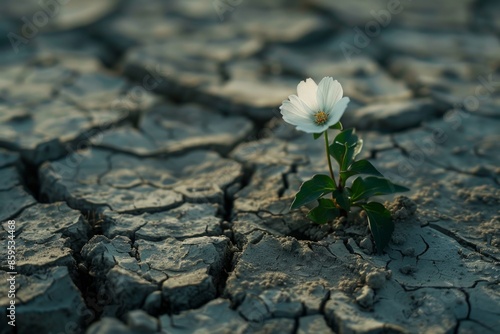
(317, 107)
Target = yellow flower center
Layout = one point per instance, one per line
(320, 118)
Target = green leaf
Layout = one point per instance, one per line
(337, 126)
(342, 198)
(317, 135)
(373, 186)
(345, 147)
(360, 167)
(381, 224)
(325, 211)
(313, 189)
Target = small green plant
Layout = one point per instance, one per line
(318, 109)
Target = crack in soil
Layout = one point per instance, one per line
(424, 251)
(465, 243)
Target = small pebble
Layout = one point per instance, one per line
(408, 270)
(410, 251)
(367, 245)
(376, 279)
(365, 298)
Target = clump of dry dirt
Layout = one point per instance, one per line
(401, 208)
(355, 226)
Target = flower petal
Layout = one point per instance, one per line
(329, 92)
(292, 114)
(301, 105)
(307, 92)
(338, 111)
(311, 127)
(301, 108)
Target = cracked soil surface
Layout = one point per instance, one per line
(145, 163)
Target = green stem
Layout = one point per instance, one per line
(342, 211)
(328, 156)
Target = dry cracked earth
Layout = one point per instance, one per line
(144, 160)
